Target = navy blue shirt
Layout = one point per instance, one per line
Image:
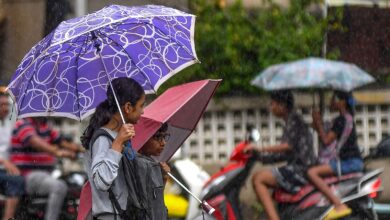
(350, 148)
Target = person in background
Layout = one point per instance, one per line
(11, 182)
(35, 147)
(296, 147)
(343, 130)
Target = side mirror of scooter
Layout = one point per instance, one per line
(254, 135)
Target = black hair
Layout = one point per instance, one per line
(348, 98)
(284, 97)
(163, 128)
(126, 90)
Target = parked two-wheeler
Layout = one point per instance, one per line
(222, 191)
(379, 157)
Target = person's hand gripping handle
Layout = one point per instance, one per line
(122, 142)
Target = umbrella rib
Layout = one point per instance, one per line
(42, 54)
(32, 75)
(118, 21)
(32, 62)
(96, 29)
(50, 104)
(205, 106)
(77, 73)
(173, 40)
(182, 104)
(131, 60)
(181, 45)
(29, 80)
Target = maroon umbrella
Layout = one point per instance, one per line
(181, 108)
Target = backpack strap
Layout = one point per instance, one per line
(115, 204)
(102, 132)
(99, 132)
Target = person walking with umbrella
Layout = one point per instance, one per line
(344, 132)
(103, 161)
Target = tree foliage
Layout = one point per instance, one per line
(235, 44)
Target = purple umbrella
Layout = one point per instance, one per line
(67, 72)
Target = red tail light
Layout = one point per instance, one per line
(375, 187)
(373, 195)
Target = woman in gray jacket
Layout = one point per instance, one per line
(103, 163)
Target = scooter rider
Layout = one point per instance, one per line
(297, 147)
(35, 147)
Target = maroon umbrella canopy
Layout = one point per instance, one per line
(181, 108)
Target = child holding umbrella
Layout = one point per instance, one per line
(103, 163)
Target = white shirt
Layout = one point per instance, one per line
(5, 137)
(6, 127)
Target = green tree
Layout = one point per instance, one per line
(235, 44)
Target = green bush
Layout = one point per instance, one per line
(235, 44)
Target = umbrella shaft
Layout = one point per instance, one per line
(117, 103)
(113, 91)
(185, 188)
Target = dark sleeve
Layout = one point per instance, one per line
(292, 132)
(338, 126)
(55, 137)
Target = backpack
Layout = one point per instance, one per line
(145, 187)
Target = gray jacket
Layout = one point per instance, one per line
(103, 172)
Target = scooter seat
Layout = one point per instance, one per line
(283, 196)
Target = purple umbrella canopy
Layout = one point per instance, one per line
(67, 72)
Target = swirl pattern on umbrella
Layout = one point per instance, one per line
(67, 72)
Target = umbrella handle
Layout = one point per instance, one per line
(129, 151)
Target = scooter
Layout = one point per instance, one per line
(33, 207)
(222, 190)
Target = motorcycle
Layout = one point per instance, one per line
(380, 157)
(33, 207)
(222, 190)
